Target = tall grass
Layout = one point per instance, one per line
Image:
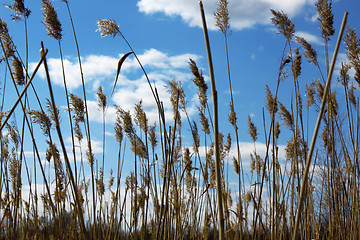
(178, 190)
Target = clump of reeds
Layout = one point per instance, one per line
(180, 188)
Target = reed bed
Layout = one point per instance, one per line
(175, 190)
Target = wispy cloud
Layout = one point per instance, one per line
(243, 13)
(310, 38)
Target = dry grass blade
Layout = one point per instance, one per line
(120, 63)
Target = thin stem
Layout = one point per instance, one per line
(317, 126)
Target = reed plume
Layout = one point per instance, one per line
(286, 116)
(326, 18)
(51, 21)
(20, 10)
(7, 43)
(310, 53)
(101, 99)
(285, 26)
(252, 129)
(271, 102)
(199, 81)
(107, 27)
(353, 51)
(222, 16)
(18, 71)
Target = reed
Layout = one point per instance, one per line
(176, 188)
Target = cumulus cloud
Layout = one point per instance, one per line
(243, 13)
(100, 70)
(97, 68)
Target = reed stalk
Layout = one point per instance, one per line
(216, 127)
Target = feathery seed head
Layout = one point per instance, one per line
(138, 147)
(259, 164)
(353, 51)
(236, 166)
(271, 102)
(18, 71)
(227, 146)
(101, 99)
(344, 77)
(232, 116)
(295, 147)
(78, 132)
(222, 16)
(204, 122)
(42, 119)
(310, 93)
(15, 175)
(325, 138)
(319, 89)
(107, 27)
(14, 134)
(51, 113)
(126, 120)
(252, 129)
(199, 81)
(277, 130)
(100, 186)
(332, 106)
(140, 117)
(52, 152)
(352, 98)
(286, 116)
(196, 137)
(6, 39)
(152, 136)
(187, 159)
(297, 64)
(19, 8)
(78, 108)
(283, 23)
(310, 53)
(90, 156)
(177, 98)
(326, 18)
(51, 22)
(118, 130)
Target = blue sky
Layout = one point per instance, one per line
(165, 34)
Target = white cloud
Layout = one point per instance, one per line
(100, 70)
(310, 38)
(97, 68)
(154, 58)
(243, 13)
